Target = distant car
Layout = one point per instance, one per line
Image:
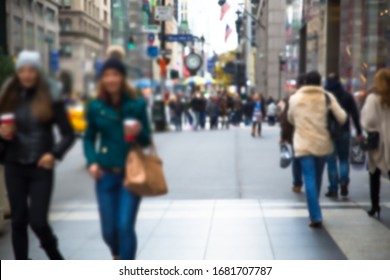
(77, 118)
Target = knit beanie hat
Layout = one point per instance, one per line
(116, 64)
(29, 58)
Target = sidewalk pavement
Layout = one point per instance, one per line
(228, 200)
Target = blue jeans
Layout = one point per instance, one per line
(297, 173)
(118, 210)
(313, 168)
(339, 173)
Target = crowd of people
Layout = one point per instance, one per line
(306, 125)
(220, 110)
(31, 108)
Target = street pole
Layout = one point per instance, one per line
(162, 49)
(248, 6)
(3, 28)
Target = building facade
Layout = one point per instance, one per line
(33, 25)
(351, 38)
(83, 39)
(270, 42)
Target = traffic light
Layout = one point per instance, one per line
(131, 43)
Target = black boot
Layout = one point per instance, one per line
(375, 183)
(53, 253)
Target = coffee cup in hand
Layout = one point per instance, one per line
(8, 120)
(128, 128)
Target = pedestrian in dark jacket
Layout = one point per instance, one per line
(30, 152)
(213, 112)
(196, 106)
(339, 176)
(248, 109)
(177, 109)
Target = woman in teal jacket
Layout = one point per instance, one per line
(106, 150)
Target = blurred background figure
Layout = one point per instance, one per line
(248, 108)
(376, 122)
(33, 108)
(197, 108)
(177, 108)
(272, 111)
(224, 111)
(237, 111)
(258, 113)
(213, 112)
(338, 162)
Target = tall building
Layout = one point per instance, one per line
(270, 42)
(33, 24)
(84, 25)
(120, 21)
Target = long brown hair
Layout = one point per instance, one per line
(126, 88)
(41, 105)
(382, 86)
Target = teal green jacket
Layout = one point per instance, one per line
(104, 138)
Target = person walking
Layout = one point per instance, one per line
(213, 112)
(248, 109)
(30, 151)
(177, 109)
(196, 106)
(224, 111)
(312, 141)
(272, 111)
(338, 161)
(115, 107)
(287, 134)
(375, 118)
(258, 113)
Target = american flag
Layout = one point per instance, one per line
(224, 9)
(228, 32)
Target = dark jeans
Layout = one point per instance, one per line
(118, 210)
(338, 163)
(202, 119)
(375, 185)
(313, 168)
(29, 191)
(297, 173)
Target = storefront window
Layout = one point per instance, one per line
(365, 41)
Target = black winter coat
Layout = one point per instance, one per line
(347, 102)
(34, 138)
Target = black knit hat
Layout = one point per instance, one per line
(116, 64)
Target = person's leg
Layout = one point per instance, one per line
(41, 188)
(320, 163)
(343, 150)
(333, 175)
(128, 210)
(308, 164)
(107, 192)
(17, 189)
(297, 175)
(375, 183)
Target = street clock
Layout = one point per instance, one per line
(193, 62)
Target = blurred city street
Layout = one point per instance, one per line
(228, 200)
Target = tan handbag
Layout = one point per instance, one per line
(144, 173)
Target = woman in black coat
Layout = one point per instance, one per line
(29, 151)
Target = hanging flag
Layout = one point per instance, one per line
(228, 32)
(224, 9)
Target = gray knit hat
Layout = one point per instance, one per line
(29, 58)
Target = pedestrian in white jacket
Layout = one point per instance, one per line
(308, 111)
(376, 119)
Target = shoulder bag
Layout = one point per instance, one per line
(144, 173)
